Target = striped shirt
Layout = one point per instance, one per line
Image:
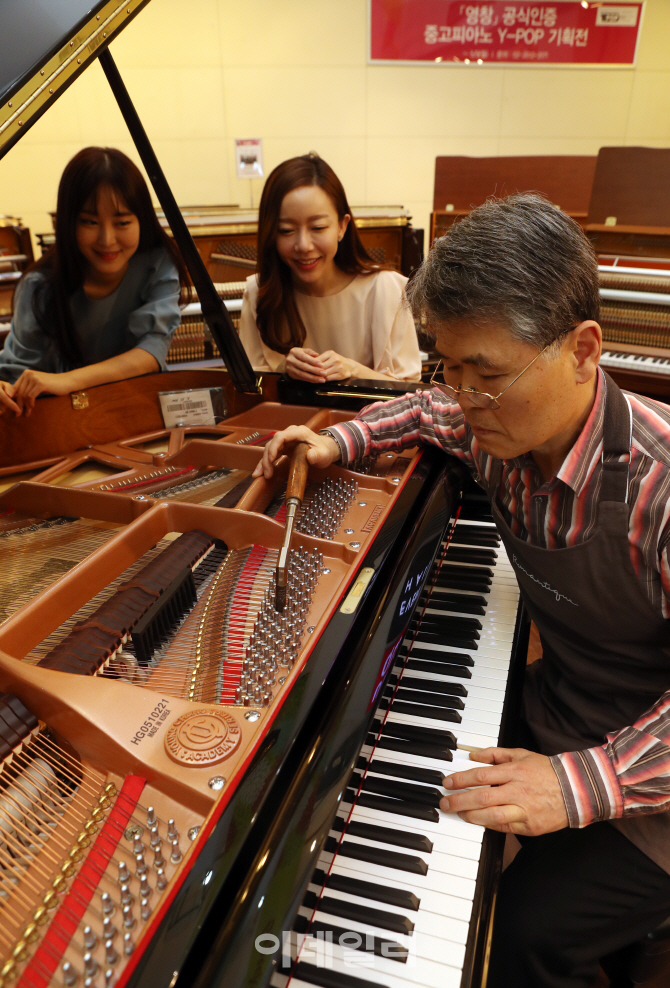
(630, 773)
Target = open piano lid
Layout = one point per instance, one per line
(57, 42)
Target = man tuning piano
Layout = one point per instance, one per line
(579, 479)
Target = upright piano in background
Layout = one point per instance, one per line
(629, 227)
(209, 778)
(462, 183)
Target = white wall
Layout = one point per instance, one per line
(294, 72)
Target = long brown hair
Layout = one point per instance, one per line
(277, 316)
(63, 269)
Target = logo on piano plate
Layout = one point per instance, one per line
(203, 737)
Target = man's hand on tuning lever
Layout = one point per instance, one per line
(323, 452)
(518, 792)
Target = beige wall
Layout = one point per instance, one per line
(294, 72)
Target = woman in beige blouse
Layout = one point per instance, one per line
(319, 309)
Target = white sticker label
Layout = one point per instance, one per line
(187, 408)
(608, 16)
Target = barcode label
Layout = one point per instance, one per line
(186, 406)
(182, 408)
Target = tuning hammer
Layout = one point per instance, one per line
(295, 490)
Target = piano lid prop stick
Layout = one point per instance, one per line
(295, 490)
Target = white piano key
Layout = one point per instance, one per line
(447, 823)
(423, 944)
(434, 923)
(436, 903)
(435, 860)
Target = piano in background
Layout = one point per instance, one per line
(629, 227)
(462, 183)
(196, 863)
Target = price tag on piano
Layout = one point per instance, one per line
(204, 406)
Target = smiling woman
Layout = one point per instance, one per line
(103, 304)
(319, 309)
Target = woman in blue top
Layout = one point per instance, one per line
(103, 304)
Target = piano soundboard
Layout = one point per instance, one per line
(151, 673)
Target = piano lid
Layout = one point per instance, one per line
(44, 46)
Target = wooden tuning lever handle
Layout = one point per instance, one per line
(297, 475)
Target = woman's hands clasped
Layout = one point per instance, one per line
(307, 365)
(322, 453)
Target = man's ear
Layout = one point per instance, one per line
(586, 345)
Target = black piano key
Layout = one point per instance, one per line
(460, 598)
(473, 571)
(449, 620)
(375, 802)
(438, 603)
(438, 638)
(385, 835)
(443, 655)
(390, 949)
(367, 890)
(412, 748)
(420, 710)
(406, 692)
(456, 583)
(429, 776)
(440, 669)
(326, 977)
(433, 686)
(471, 554)
(463, 536)
(413, 732)
(452, 623)
(376, 855)
(402, 790)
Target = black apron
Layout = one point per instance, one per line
(604, 661)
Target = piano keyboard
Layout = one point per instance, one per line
(390, 902)
(617, 360)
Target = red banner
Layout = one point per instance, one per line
(559, 33)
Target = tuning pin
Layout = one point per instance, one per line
(161, 879)
(128, 944)
(124, 874)
(155, 839)
(90, 939)
(140, 864)
(90, 982)
(108, 929)
(145, 888)
(138, 846)
(109, 977)
(128, 918)
(145, 909)
(176, 855)
(126, 896)
(151, 818)
(107, 904)
(111, 954)
(90, 965)
(70, 975)
(159, 860)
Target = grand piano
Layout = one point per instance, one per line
(194, 789)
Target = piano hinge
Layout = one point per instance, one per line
(79, 400)
(353, 598)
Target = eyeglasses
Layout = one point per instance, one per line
(479, 398)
